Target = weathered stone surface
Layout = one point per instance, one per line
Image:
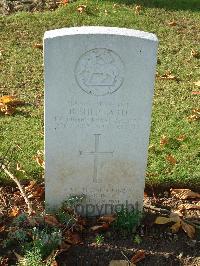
(98, 97)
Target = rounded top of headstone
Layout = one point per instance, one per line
(90, 30)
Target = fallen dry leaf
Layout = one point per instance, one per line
(189, 229)
(51, 220)
(38, 45)
(101, 227)
(195, 53)
(39, 159)
(174, 216)
(2, 228)
(172, 23)
(140, 255)
(181, 138)
(189, 206)
(195, 92)
(38, 192)
(72, 238)
(197, 83)
(171, 159)
(8, 104)
(175, 227)
(168, 75)
(120, 263)
(164, 140)
(8, 110)
(194, 116)
(162, 220)
(184, 193)
(178, 224)
(81, 8)
(65, 2)
(14, 212)
(31, 184)
(107, 218)
(138, 9)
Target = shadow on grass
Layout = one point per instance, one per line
(193, 5)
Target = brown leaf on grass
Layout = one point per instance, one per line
(195, 92)
(14, 212)
(181, 138)
(171, 159)
(184, 193)
(65, 2)
(194, 116)
(197, 83)
(168, 76)
(120, 263)
(107, 218)
(51, 220)
(140, 255)
(138, 9)
(164, 140)
(81, 8)
(195, 53)
(39, 159)
(189, 229)
(172, 23)
(8, 104)
(8, 110)
(102, 227)
(38, 46)
(72, 238)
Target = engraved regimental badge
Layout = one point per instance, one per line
(99, 72)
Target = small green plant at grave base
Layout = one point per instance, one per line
(99, 239)
(127, 221)
(73, 201)
(67, 213)
(137, 239)
(32, 258)
(34, 244)
(46, 240)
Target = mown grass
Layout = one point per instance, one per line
(22, 74)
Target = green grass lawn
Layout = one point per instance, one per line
(22, 74)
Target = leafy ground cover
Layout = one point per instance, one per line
(166, 233)
(174, 155)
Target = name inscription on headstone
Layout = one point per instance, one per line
(83, 115)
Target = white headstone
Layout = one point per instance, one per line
(98, 98)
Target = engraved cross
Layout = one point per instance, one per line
(96, 153)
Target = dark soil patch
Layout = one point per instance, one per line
(161, 247)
